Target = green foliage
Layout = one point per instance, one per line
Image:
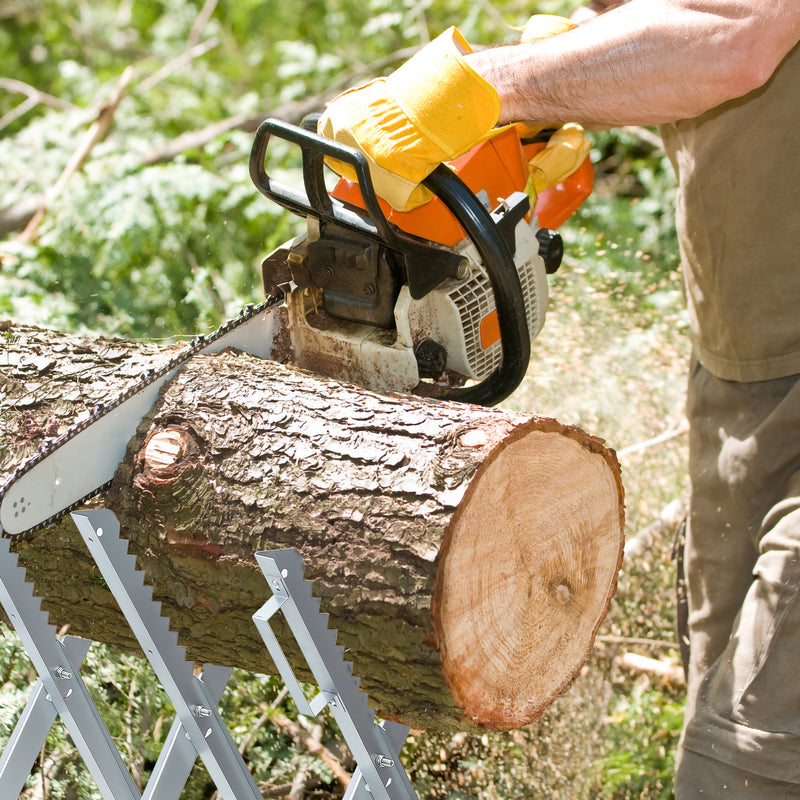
(646, 716)
(140, 249)
(130, 249)
(625, 234)
(161, 248)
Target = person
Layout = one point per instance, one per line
(722, 78)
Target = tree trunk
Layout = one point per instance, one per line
(466, 555)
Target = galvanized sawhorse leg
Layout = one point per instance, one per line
(375, 746)
(195, 707)
(59, 690)
(197, 730)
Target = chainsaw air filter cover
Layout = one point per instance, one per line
(461, 315)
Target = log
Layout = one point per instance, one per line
(466, 555)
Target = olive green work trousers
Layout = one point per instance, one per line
(741, 736)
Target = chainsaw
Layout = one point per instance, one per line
(441, 301)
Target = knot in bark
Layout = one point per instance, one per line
(167, 452)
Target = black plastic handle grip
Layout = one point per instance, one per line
(315, 200)
(498, 262)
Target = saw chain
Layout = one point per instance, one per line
(30, 501)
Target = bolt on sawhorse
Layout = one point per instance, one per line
(198, 729)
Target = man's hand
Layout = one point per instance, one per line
(566, 150)
(434, 108)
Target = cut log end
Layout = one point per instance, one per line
(527, 571)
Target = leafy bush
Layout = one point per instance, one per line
(647, 771)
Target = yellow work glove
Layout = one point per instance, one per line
(566, 150)
(542, 26)
(434, 108)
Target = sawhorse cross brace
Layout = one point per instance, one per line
(198, 729)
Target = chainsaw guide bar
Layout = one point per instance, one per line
(62, 475)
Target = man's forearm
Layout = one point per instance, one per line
(645, 62)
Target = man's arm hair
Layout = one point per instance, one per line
(643, 62)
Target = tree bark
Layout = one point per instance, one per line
(466, 555)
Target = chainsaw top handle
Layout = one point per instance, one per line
(495, 250)
(315, 199)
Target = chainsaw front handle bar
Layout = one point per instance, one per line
(498, 261)
(496, 254)
(314, 199)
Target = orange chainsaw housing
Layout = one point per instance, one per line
(498, 166)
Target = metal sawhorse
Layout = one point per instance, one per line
(198, 729)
